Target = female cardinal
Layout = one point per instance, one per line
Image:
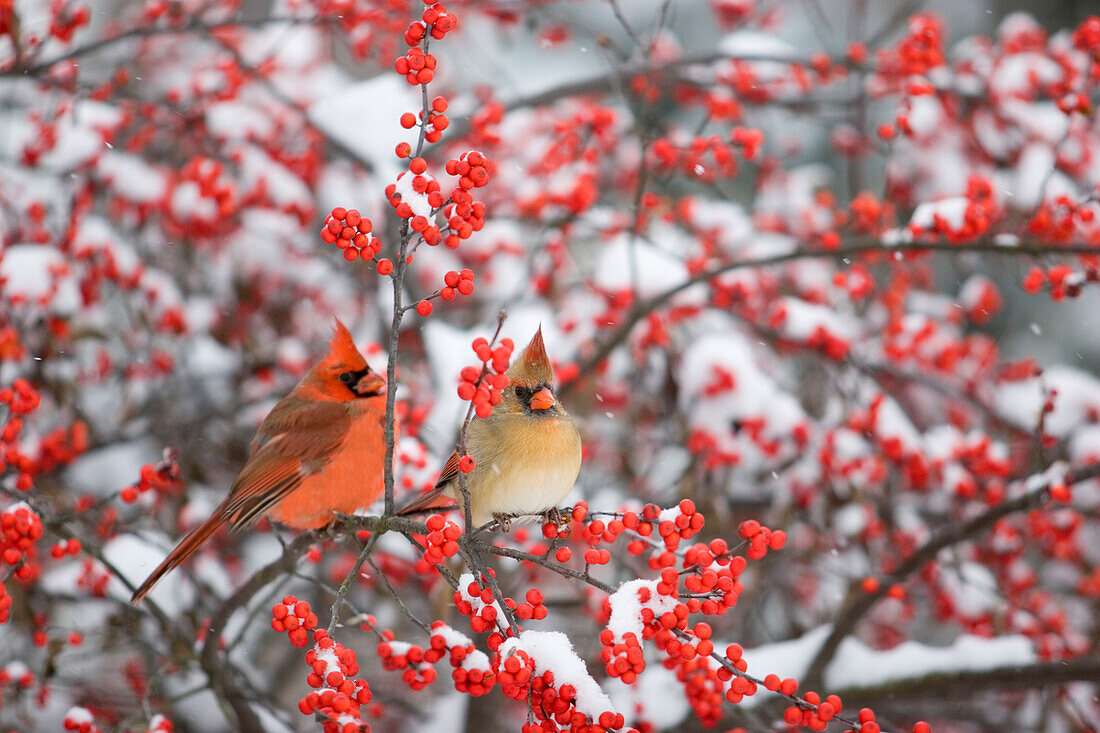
(319, 451)
(526, 454)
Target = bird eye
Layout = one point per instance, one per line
(347, 377)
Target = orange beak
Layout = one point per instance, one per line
(542, 400)
(370, 385)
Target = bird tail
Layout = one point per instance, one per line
(434, 498)
(185, 549)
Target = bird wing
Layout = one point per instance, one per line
(435, 497)
(295, 440)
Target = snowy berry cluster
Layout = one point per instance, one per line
(202, 201)
(475, 600)
(351, 232)
(333, 668)
(556, 706)
(160, 724)
(920, 50)
(414, 660)
(416, 196)
(559, 693)
(294, 617)
(471, 671)
(483, 386)
(81, 720)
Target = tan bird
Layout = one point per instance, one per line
(527, 453)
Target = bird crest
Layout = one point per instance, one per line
(533, 365)
(341, 349)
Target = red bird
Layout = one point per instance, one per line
(318, 452)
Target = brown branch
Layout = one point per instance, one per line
(859, 603)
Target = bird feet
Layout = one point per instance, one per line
(558, 517)
(503, 522)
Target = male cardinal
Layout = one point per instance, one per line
(526, 454)
(318, 452)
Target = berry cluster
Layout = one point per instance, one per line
(434, 121)
(533, 607)
(1064, 220)
(21, 398)
(915, 54)
(461, 283)
(416, 66)
(483, 386)
(93, 578)
(296, 618)
(1086, 36)
(61, 548)
(442, 539)
(761, 539)
(672, 526)
(814, 713)
(164, 475)
(1078, 102)
(708, 158)
(5, 604)
(465, 215)
(66, 18)
(54, 449)
(1063, 280)
(20, 529)
(351, 232)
